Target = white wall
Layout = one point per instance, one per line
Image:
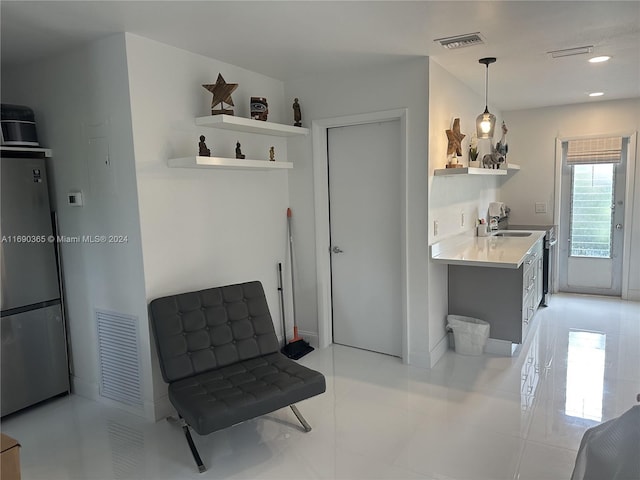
(80, 96)
(203, 228)
(532, 142)
(451, 197)
(400, 84)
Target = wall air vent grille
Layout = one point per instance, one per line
(461, 41)
(119, 357)
(569, 52)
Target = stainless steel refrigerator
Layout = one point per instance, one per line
(34, 354)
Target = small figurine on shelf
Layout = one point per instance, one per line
(454, 138)
(203, 151)
(297, 114)
(493, 159)
(473, 151)
(502, 146)
(272, 154)
(454, 146)
(221, 94)
(498, 155)
(259, 108)
(239, 153)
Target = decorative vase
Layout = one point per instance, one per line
(473, 158)
(259, 108)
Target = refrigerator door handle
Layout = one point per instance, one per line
(63, 306)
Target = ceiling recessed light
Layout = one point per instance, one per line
(604, 58)
(596, 94)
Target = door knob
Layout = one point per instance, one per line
(619, 226)
(336, 250)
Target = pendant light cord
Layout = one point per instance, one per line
(486, 88)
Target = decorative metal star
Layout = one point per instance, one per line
(221, 94)
(455, 138)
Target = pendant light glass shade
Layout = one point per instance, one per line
(486, 121)
(485, 124)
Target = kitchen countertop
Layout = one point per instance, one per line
(491, 251)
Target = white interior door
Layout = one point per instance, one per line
(365, 222)
(592, 240)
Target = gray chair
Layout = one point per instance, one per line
(219, 353)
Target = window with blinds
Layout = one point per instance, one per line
(589, 151)
(593, 162)
(591, 213)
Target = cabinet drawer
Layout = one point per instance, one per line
(529, 278)
(530, 265)
(532, 257)
(528, 310)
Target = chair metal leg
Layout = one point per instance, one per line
(194, 450)
(305, 424)
(192, 446)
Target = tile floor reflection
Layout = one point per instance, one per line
(483, 417)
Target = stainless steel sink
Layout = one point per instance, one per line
(512, 234)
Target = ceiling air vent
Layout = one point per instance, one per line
(461, 41)
(569, 52)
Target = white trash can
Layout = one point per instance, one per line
(469, 334)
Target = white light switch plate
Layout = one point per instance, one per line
(541, 207)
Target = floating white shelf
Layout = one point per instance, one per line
(240, 124)
(46, 151)
(476, 170)
(227, 163)
(469, 171)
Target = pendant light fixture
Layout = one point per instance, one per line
(486, 122)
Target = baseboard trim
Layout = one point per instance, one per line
(632, 295)
(85, 389)
(91, 391)
(311, 337)
(438, 351)
(501, 347)
(160, 408)
(420, 359)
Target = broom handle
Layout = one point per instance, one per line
(293, 291)
(284, 323)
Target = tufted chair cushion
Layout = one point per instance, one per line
(223, 397)
(199, 331)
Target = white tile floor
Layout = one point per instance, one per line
(468, 418)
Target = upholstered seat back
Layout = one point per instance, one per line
(200, 331)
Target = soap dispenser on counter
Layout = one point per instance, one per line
(482, 229)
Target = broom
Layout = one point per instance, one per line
(297, 347)
(282, 315)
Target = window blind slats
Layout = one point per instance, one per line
(594, 150)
